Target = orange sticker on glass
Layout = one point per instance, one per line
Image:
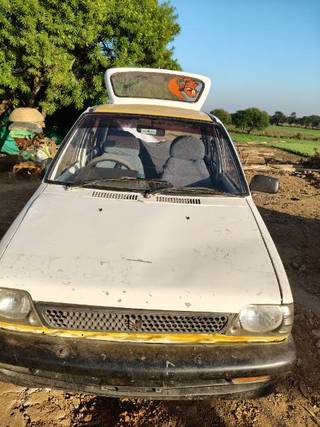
(183, 88)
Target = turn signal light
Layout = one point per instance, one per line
(243, 380)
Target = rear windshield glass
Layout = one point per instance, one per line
(145, 153)
(135, 84)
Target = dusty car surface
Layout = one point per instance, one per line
(141, 266)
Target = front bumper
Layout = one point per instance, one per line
(118, 369)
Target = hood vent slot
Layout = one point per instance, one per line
(180, 200)
(114, 195)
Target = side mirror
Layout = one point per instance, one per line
(265, 184)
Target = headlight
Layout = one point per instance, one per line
(14, 304)
(261, 319)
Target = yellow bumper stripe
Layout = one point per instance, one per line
(140, 337)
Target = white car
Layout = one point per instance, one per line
(141, 266)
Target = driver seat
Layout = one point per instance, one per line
(124, 145)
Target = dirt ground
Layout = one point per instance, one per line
(293, 218)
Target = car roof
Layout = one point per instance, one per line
(152, 110)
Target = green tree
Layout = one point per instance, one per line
(250, 119)
(53, 53)
(292, 119)
(311, 121)
(278, 118)
(223, 115)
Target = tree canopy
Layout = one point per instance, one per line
(223, 115)
(250, 119)
(292, 118)
(278, 118)
(53, 53)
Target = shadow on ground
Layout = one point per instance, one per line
(298, 242)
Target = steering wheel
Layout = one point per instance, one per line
(113, 158)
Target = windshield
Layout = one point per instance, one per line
(138, 153)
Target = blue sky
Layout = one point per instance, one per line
(261, 53)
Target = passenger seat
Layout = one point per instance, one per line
(186, 166)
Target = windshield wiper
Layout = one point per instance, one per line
(89, 182)
(190, 190)
(147, 184)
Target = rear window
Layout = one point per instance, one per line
(170, 87)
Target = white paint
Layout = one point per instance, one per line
(274, 255)
(179, 104)
(142, 254)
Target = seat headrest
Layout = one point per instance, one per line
(121, 139)
(187, 148)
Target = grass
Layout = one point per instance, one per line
(285, 132)
(292, 131)
(304, 148)
(296, 146)
(246, 138)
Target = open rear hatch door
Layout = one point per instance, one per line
(157, 87)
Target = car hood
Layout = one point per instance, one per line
(80, 246)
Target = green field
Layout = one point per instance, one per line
(285, 132)
(291, 131)
(245, 138)
(305, 148)
(297, 146)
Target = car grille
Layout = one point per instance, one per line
(122, 320)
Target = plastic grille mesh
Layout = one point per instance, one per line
(113, 320)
